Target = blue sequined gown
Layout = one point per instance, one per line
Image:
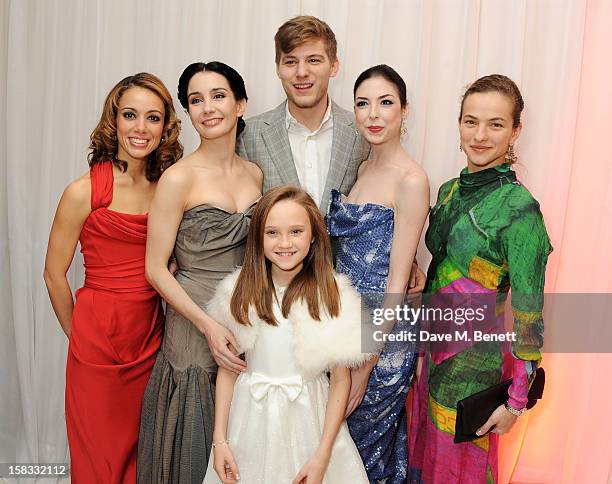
(378, 426)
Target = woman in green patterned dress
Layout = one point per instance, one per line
(486, 235)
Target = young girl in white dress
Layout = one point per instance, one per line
(282, 420)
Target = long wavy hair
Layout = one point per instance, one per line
(315, 283)
(103, 143)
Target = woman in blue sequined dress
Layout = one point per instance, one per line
(377, 227)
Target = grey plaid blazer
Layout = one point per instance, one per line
(265, 141)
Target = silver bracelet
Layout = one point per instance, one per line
(216, 444)
(514, 411)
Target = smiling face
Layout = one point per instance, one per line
(305, 73)
(213, 109)
(486, 129)
(140, 124)
(378, 110)
(287, 239)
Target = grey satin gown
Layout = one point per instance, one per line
(178, 406)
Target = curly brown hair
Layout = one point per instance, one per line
(103, 143)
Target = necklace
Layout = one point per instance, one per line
(280, 290)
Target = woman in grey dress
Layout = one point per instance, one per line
(201, 212)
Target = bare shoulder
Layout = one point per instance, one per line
(254, 171)
(414, 176)
(364, 164)
(79, 190)
(75, 203)
(179, 176)
(412, 187)
(409, 174)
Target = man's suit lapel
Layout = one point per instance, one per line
(342, 147)
(276, 140)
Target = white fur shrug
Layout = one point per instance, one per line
(317, 345)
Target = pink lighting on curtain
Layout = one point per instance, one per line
(568, 438)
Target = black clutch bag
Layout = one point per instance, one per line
(475, 410)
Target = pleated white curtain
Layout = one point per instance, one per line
(58, 60)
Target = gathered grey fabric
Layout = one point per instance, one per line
(178, 406)
(176, 425)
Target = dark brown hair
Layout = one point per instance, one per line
(387, 73)
(315, 283)
(232, 76)
(103, 143)
(303, 28)
(501, 84)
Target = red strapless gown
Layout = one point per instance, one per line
(115, 334)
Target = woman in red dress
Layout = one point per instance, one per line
(115, 325)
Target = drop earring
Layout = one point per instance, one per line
(511, 155)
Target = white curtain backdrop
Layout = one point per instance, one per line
(59, 59)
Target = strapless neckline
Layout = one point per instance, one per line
(214, 207)
(341, 198)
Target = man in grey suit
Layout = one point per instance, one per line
(308, 140)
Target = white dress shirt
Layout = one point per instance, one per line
(311, 152)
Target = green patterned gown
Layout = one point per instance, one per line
(486, 235)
